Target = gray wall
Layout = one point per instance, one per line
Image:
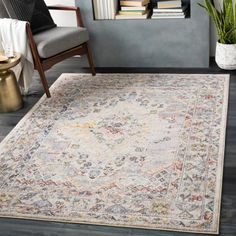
(149, 43)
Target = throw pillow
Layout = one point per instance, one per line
(33, 11)
(3, 12)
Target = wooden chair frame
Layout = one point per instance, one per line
(43, 64)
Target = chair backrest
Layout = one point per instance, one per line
(3, 12)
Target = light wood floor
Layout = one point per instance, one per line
(11, 227)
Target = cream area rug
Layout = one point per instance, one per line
(129, 150)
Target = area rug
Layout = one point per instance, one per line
(128, 150)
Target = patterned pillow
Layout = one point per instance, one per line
(33, 11)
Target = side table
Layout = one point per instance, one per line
(10, 96)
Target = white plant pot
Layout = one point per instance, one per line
(226, 56)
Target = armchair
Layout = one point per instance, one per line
(57, 44)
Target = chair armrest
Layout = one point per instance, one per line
(69, 8)
(63, 8)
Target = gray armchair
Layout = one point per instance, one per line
(54, 44)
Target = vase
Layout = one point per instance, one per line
(226, 56)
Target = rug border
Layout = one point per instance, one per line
(220, 167)
(224, 121)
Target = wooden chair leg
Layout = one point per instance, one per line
(37, 61)
(44, 81)
(90, 59)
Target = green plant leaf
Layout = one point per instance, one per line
(224, 19)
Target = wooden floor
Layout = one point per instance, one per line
(11, 227)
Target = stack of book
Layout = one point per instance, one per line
(133, 9)
(105, 9)
(169, 9)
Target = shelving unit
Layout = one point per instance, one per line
(149, 43)
(151, 5)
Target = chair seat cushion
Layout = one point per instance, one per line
(59, 39)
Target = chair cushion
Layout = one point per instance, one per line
(3, 12)
(59, 39)
(33, 11)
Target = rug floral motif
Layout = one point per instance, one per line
(129, 150)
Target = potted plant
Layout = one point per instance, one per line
(224, 18)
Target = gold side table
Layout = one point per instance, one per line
(10, 96)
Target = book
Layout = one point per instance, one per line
(114, 8)
(132, 3)
(168, 17)
(169, 14)
(134, 8)
(132, 12)
(95, 8)
(169, 4)
(178, 9)
(105, 10)
(130, 17)
(109, 10)
(101, 8)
